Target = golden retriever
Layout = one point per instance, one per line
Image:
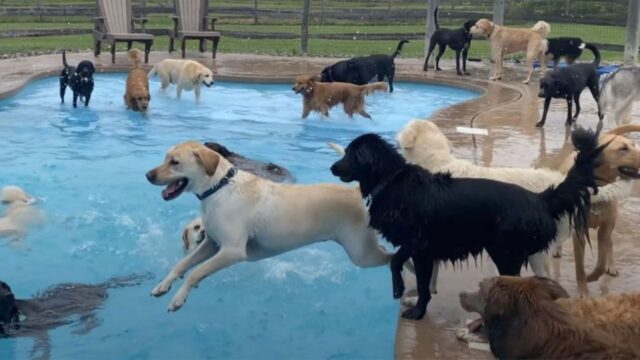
(320, 97)
(506, 40)
(620, 158)
(533, 318)
(193, 234)
(19, 216)
(136, 96)
(185, 74)
(251, 218)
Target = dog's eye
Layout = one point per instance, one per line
(196, 228)
(624, 148)
(174, 162)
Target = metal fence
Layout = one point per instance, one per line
(332, 27)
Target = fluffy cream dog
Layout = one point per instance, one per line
(185, 74)
(252, 218)
(506, 40)
(19, 216)
(193, 234)
(423, 144)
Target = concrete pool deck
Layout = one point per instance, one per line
(508, 109)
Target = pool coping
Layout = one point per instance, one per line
(15, 75)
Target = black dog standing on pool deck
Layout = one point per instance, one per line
(269, 170)
(79, 79)
(56, 306)
(361, 70)
(568, 83)
(459, 40)
(437, 217)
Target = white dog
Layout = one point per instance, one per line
(251, 218)
(185, 74)
(19, 216)
(618, 93)
(193, 234)
(423, 144)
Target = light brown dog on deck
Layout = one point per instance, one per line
(622, 158)
(320, 97)
(506, 40)
(532, 318)
(136, 96)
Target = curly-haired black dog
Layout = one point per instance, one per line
(459, 40)
(79, 79)
(361, 70)
(437, 217)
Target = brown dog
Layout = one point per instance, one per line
(531, 318)
(320, 97)
(506, 40)
(136, 96)
(620, 159)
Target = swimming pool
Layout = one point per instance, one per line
(87, 166)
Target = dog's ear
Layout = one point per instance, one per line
(208, 159)
(197, 78)
(185, 238)
(407, 138)
(550, 287)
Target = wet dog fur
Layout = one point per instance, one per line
(79, 79)
(137, 95)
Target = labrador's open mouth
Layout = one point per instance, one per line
(207, 85)
(174, 189)
(629, 171)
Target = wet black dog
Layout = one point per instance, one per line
(79, 79)
(568, 47)
(459, 40)
(361, 70)
(568, 83)
(269, 171)
(437, 217)
(56, 306)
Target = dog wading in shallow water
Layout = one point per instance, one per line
(79, 79)
(436, 217)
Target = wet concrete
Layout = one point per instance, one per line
(508, 109)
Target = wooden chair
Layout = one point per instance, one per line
(190, 22)
(115, 23)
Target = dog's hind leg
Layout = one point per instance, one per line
(595, 92)
(432, 45)
(545, 110)
(458, 63)
(576, 99)
(75, 99)
(86, 100)
(465, 53)
(64, 81)
(224, 258)
(423, 263)
(204, 251)
(569, 104)
(441, 49)
(365, 114)
(611, 265)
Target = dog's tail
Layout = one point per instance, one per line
(337, 148)
(596, 53)
(571, 197)
(621, 130)
(542, 27)
(435, 17)
(135, 56)
(399, 48)
(64, 58)
(376, 86)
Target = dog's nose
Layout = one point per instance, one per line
(151, 176)
(334, 169)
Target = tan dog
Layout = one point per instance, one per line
(251, 218)
(620, 158)
(19, 216)
(185, 74)
(136, 96)
(193, 234)
(506, 40)
(320, 97)
(532, 318)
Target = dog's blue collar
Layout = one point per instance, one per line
(224, 181)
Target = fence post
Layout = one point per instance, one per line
(304, 27)
(632, 40)
(322, 12)
(255, 12)
(40, 17)
(498, 12)
(144, 8)
(431, 23)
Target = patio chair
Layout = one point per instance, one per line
(190, 22)
(115, 23)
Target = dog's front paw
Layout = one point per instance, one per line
(459, 73)
(583, 291)
(539, 124)
(414, 313)
(438, 69)
(398, 289)
(612, 271)
(161, 289)
(178, 300)
(466, 73)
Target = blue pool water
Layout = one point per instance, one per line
(87, 167)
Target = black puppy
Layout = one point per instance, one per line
(269, 170)
(56, 306)
(459, 40)
(568, 83)
(79, 79)
(568, 47)
(437, 217)
(361, 70)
